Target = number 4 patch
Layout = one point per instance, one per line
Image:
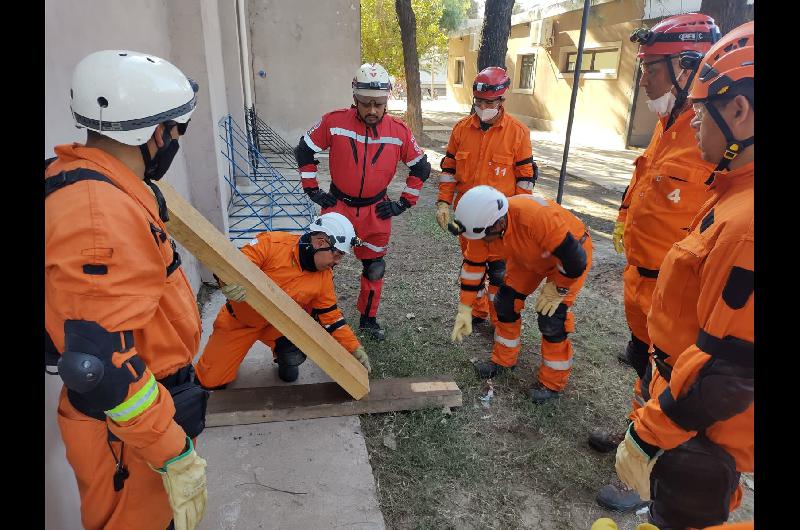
(675, 196)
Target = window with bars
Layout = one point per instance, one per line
(603, 61)
(527, 71)
(459, 72)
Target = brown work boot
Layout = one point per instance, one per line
(605, 441)
(619, 498)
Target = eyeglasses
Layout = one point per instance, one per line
(370, 102)
(688, 60)
(491, 103)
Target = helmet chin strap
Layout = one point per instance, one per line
(733, 147)
(683, 92)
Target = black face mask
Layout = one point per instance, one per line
(157, 166)
(307, 252)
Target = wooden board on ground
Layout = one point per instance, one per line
(242, 406)
(215, 251)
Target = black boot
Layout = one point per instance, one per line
(489, 369)
(619, 498)
(539, 393)
(288, 373)
(372, 328)
(605, 441)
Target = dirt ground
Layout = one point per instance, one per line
(506, 463)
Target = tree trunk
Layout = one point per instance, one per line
(728, 14)
(494, 35)
(408, 35)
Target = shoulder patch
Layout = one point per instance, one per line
(708, 220)
(739, 287)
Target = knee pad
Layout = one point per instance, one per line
(373, 268)
(637, 355)
(287, 353)
(86, 366)
(497, 272)
(504, 304)
(553, 328)
(692, 484)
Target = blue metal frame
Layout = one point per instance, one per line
(276, 196)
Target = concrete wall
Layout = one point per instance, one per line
(603, 103)
(201, 41)
(309, 51)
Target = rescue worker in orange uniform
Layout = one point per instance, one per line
(691, 440)
(302, 267)
(365, 146)
(120, 314)
(539, 240)
(487, 147)
(666, 191)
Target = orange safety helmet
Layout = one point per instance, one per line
(687, 32)
(728, 70)
(490, 83)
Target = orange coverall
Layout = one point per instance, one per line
(535, 225)
(500, 157)
(666, 191)
(91, 227)
(238, 326)
(702, 327)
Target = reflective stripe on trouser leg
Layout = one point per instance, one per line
(226, 349)
(507, 342)
(556, 364)
(480, 308)
(370, 296)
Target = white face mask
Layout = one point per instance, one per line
(663, 105)
(486, 114)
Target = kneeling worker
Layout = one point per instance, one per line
(302, 267)
(539, 240)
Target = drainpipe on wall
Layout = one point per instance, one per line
(244, 50)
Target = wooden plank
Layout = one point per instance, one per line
(197, 235)
(242, 406)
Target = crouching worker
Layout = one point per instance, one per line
(302, 267)
(539, 240)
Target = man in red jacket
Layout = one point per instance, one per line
(365, 146)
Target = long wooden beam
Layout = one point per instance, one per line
(242, 406)
(197, 235)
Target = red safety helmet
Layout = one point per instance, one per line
(673, 35)
(490, 83)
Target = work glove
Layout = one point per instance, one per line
(234, 292)
(324, 199)
(616, 237)
(604, 523)
(634, 465)
(443, 214)
(387, 209)
(550, 298)
(184, 480)
(363, 358)
(463, 325)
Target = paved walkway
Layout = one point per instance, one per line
(592, 159)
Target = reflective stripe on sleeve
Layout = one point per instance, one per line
(311, 144)
(137, 403)
(411, 191)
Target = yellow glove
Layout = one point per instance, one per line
(234, 292)
(634, 466)
(604, 523)
(442, 214)
(360, 354)
(463, 325)
(549, 299)
(184, 479)
(616, 237)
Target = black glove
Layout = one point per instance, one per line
(387, 209)
(326, 200)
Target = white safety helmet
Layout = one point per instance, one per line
(478, 209)
(339, 229)
(371, 79)
(125, 95)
